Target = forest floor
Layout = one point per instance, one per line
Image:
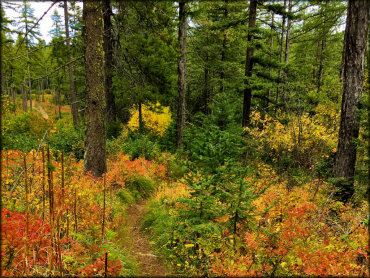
(139, 245)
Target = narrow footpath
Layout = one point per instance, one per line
(138, 244)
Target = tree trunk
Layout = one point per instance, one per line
(29, 81)
(38, 91)
(321, 66)
(281, 58)
(43, 91)
(108, 52)
(181, 69)
(249, 65)
(95, 145)
(206, 89)
(287, 48)
(59, 102)
(28, 65)
(72, 88)
(270, 56)
(223, 53)
(14, 101)
(141, 122)
(24, 98)
(353, 75)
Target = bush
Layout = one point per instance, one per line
(176, 170)
(141, 145)
(141, 187)
(23, 131)
(115, 145)
(66, 138)
(125, 196)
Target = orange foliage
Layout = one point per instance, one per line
(53, 232)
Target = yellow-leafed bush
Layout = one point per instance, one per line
(155, 118)
(309, 139)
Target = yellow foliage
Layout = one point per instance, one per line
(155, 118)
(315, 136)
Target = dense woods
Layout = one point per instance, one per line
(216, 138)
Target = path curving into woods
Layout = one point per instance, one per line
(138, 244)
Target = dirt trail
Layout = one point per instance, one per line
(138, 244)
(39, 108)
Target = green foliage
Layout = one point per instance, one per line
(66, 138)
(125, 196)
(141, 187)
(113, 130)
(211, 148)
(141, 145)
(23, 131)
(176, 170)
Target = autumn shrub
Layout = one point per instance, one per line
(156, 118)
(302, 141)
(77, 210)
(23, 131)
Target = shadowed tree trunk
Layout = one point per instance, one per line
(108, 56)
(321, 66)
(24, 97)
(43, 91)
(270, 56)
(249, 65)
(281, 58)
(206, 89)
(353, 77)
(223, 53)
(72, 88)
(14, 100)
(287, 51)
(181, 69)
(95, 148)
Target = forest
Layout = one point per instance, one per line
(185, 138)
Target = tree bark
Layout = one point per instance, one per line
(43, 91)
(287, 49)
(72, 88)
(223, 53)
(59, 104)
(95, 145)
(353, 77)
(321, 66)
(108, 52)
(28, 65)
(249, 65)
(281, 58)
(181, 69)
(24, 98)
(141, 121)
(14, 100)
(206, 89)
(270, 56)
(29, 80)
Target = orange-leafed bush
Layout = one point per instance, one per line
(65, 213)
(299, 232)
